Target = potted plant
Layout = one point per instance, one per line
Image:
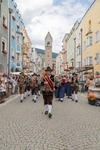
(91, 99)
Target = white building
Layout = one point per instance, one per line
(37, 61)
(59, 62)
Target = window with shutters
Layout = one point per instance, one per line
(3, 45)
(89, 41)
(97, 58)
(97, 36)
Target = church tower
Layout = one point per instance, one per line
(48, 50)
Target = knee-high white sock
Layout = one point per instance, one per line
(25, 94)
(21, 96)
(76, 97)
(39, 92)
(50, 108)
(72, 96)
(35, 96)
(46, 107)
(61, 99)
(28, 92)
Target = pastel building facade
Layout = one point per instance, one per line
(59, 62)
(64, 52)
(71, 47)
(15, 37)
(90, 39)
(27, 62)
(4, 31)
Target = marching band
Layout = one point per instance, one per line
(49, 86)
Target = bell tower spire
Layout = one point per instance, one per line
(48, 50)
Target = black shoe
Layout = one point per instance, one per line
(24, 97)
(46, 112)
(50, 115)
(76, 101)
(72, 99)
(34, 101)
(61, 100)
(21, 101)
(28, 95)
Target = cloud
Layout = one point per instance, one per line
(57, 17)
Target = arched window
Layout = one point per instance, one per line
(48, 43)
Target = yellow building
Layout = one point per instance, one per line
(27, 52)
(90, 27)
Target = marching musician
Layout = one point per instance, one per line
(25, 94)
(39, 84)
(28, 86)
(74, 87)
(47, 85)
(34, 87)
(21, 82)
(57, 86)
(68, 89)
(62, 89)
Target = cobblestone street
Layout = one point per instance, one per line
(73, 126)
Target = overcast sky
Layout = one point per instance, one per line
(55, 16)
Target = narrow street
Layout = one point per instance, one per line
(73, 126)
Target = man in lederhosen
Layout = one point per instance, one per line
(28, 86)
(39, 84)
(25, 93)
(21, 82)
(47, 91)
(74, 86)
(34, 87)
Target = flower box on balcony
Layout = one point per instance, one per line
(5, 26)
(14, 18)
(4, 51)
(13, 36)
(13, 57)
(71, 67)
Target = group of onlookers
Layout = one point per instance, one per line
(8, 86)
(93, 82)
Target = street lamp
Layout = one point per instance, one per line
(10, 12)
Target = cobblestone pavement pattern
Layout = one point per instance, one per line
(73, 126)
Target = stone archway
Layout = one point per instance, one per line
(1, 68)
